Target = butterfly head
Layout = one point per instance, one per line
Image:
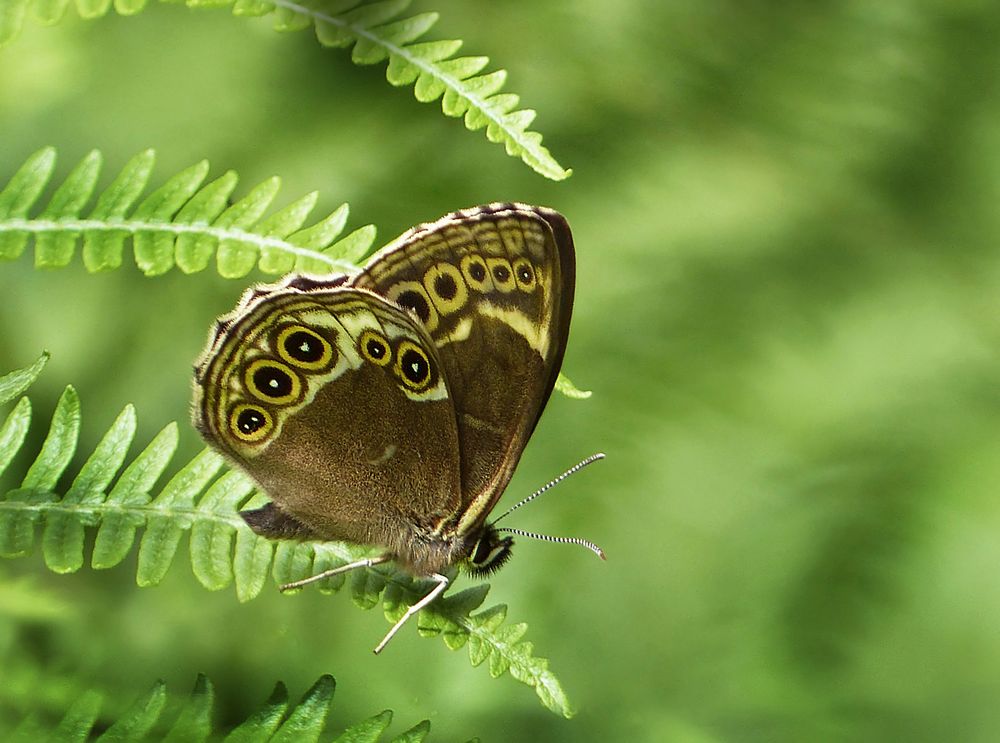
(489, 553)
(490, 550)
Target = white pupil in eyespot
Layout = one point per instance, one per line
(304, 347)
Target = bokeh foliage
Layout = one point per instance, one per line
(787, 236)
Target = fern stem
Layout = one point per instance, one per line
(141, 510)
(133, 226)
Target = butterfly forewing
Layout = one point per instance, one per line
(494, 288)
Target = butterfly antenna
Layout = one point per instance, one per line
(548, 486)
(551, 484)
(564, 540)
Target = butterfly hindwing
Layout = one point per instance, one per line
(493, 286)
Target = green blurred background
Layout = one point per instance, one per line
(788, 309)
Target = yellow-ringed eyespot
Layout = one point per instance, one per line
(304, 348)
(273, 382)
(476, 274)
(375, 348)
(446, 287)
(411, 295)
(524, 274)
(413, 366)
(250, 423)
(503, 277)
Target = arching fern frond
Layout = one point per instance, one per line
(183, 223)
(276, 720)
(375, 32)
(202, 499)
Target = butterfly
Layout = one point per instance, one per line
(390, 408)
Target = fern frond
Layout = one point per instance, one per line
(450, 617)
(376, 31)
(223, 549)
(274, 721)
(182, 223)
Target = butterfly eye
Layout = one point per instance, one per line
(489, 553)
(476, 274)
(524, 274)
(503, 277)
(304, 348)
(273, 382)
(413, 366)
(446, 286)
(250, 423)
(374, 348)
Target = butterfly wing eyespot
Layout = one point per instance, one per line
(413, 366)
(375, 348)
(411, 295)
(445, 285)
(524, 275)
(476, 274)
(250, 423)
(272, 382)
(304, 348)
(503, 276)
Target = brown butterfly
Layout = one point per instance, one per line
(390, 408)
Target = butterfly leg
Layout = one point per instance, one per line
(366, 563)
(442, 583)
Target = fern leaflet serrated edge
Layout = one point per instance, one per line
(17, 381)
